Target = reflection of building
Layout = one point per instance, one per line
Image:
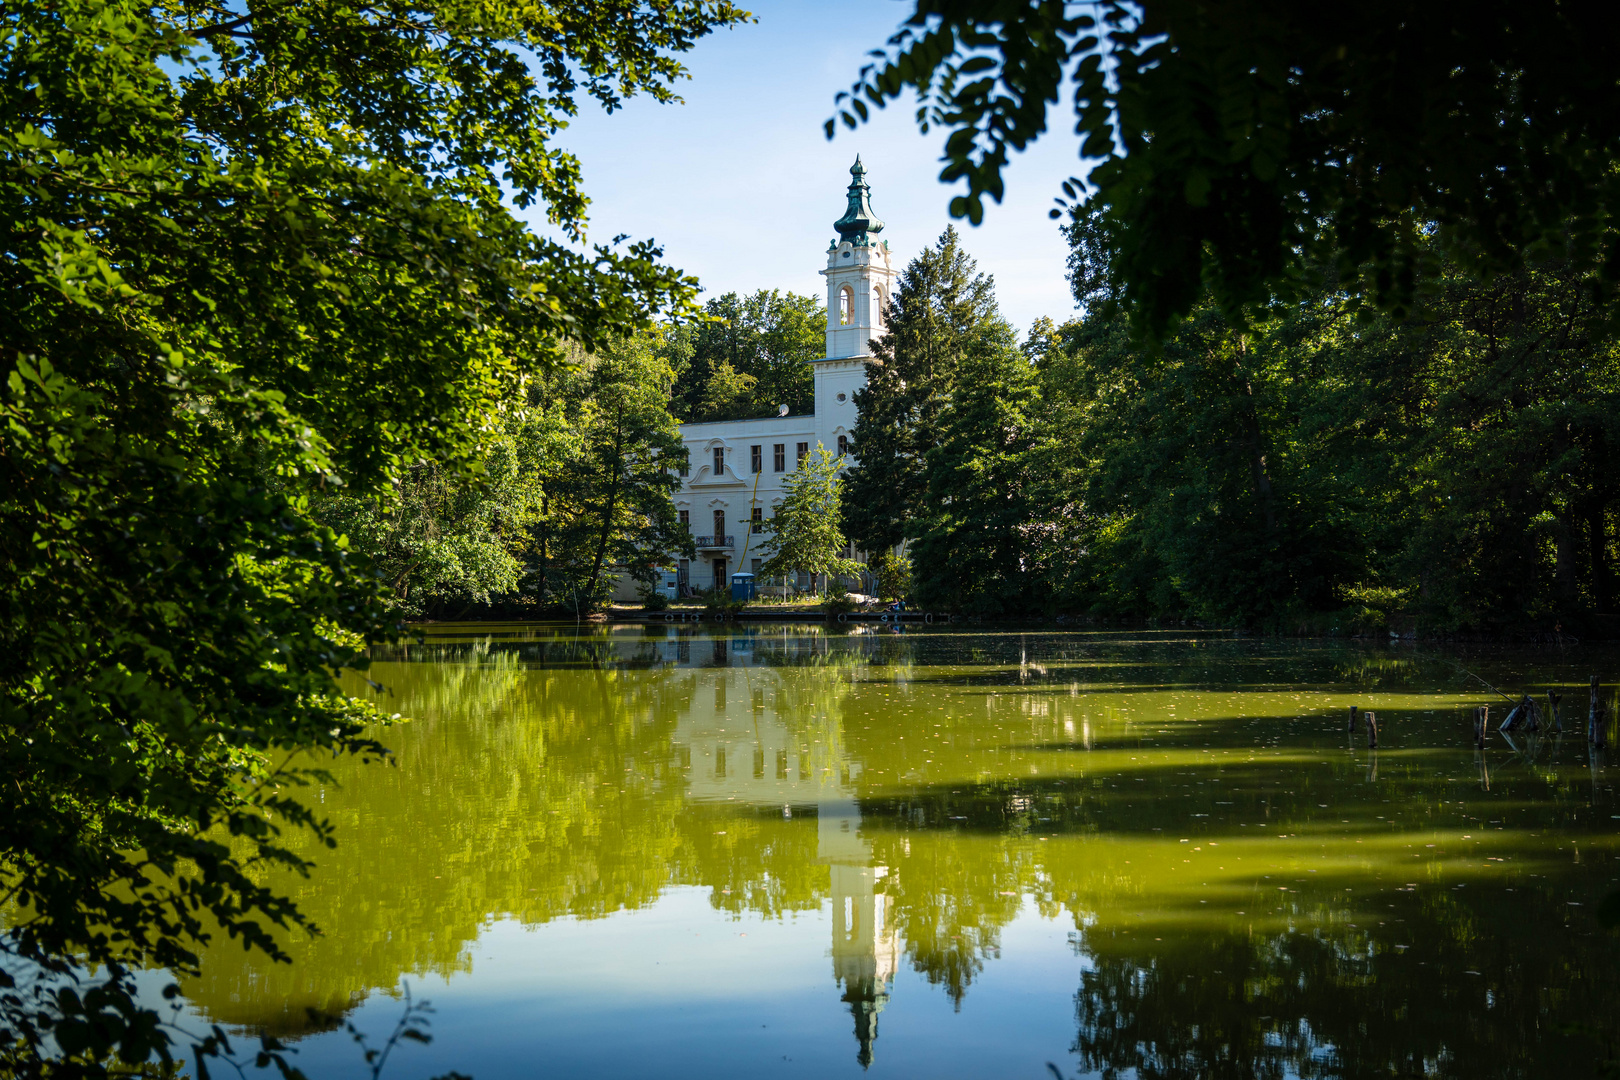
(863, 948)
(741, 749)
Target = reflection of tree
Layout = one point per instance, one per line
(1342, 1003)
(951, 895)
(530, 792)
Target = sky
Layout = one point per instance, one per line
(741, 186)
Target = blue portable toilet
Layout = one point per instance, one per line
(742, 586)
(669, 583)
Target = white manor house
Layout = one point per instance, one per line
(718, 496)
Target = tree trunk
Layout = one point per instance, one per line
(1564, 561)
(1597, 535)
(610, 504)
(1255, 448)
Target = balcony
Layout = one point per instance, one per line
(716, 543)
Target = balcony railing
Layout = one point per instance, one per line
(717, 541)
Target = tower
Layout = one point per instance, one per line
(860, 280)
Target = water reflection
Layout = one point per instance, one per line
(1251, 892)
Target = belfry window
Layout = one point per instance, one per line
(846, 306)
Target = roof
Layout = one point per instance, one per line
(858, 221)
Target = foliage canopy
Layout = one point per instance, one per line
(251, 256)
(1234, 145)
(805, 531)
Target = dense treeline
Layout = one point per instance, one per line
(571, 483)
(747, 356)
(1322, 467)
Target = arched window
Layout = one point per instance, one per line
(846, 306)
(877, 304)
(843, 445)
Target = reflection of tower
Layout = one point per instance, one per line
(863, 944)
(794, 765)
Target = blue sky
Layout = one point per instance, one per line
(741, 186)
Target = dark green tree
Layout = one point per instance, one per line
(942, 311)
(979, 528)
(1451, 466)
(750, 355)
(1225, 503)
(1235, 145)
(1495, 426)
(611, 502)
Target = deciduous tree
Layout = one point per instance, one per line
(804, 534)
(1233, 145)
(251, 254)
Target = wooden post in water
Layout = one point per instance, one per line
(1352, 719)
(1596, 732)
(1372, 731)
(1517, 715)
(1482, 718)
(1553, 698)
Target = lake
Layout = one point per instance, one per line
(966, 851)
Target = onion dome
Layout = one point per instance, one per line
(858, 221)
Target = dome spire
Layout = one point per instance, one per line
(858, 221)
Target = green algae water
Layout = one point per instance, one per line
(826, 851)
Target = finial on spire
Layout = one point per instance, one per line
(858, 221)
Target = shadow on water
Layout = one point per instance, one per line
(1252, 891)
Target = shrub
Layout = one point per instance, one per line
(893, 573)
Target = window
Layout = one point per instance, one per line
(757, 520)
(846, 306)
(779, 457)
(719, 526)
(686, 462)
(754, 565)
(804, 452)
(756, 458)
(877, 304)
(719, 460)
(686, 518)
(843, 445)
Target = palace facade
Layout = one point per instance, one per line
(735, 468)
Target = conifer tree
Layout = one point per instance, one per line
(978, 527)
(943, 310)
